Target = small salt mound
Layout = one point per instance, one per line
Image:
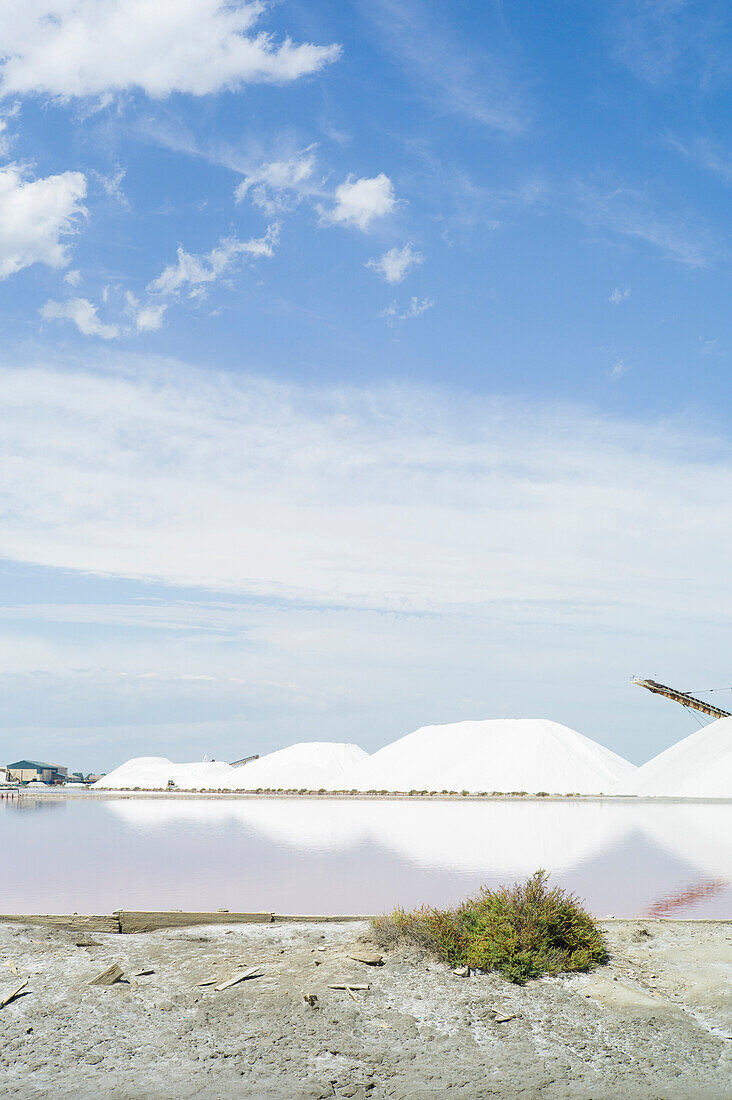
(506, 754)
(151, 773)
(311, 766)
(700, 766)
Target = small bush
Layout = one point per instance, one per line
(523, 931)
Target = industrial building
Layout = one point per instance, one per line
(29, 771)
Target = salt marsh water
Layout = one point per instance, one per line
(359, 856)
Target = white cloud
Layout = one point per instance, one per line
(150, 317)
(82, 313)
(396, 499)
(196, 273)
(147, 317)
(416, 307)
(279, 184)
(34, 217)
(96, 48)
(73, 278)
(396, 264)
(7, 112)
(620, 294)
(360, 201)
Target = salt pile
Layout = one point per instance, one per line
(700, 766)
(308, 766)
(151, 773)
(507, 754)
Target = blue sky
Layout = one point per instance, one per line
(364, 365)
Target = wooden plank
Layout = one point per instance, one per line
(109, 976)
(254, 971)
(71, 923)
(11, 996)
(131, 921)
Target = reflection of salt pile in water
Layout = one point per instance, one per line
(509, 838)
(700, 766)
(506, 754)
(308, 766)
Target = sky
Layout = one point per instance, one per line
(364, 364)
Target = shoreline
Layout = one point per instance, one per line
(362, 796)
(134, 921)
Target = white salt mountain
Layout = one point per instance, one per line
(506, 754)
(310, 766)
(313, 765)
(700, 766)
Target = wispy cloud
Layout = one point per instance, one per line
(619, 368)
(631, 214)
(620, 294)
(277, 185)
(661, 41)
(460, 78)
(711, 347)
(394, 266)
(416, 307)
(197, 479)
(707, 154)
(112, 185)
(195, 274)
(82, 313)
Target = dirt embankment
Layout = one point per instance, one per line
(653, 1023)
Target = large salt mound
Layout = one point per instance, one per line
(310, 766)
(700, 766)
(506, 754)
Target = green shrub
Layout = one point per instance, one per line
(523, 931)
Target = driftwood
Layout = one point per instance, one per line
(253, 972)
(11, 996)
(144, 973)
(350, 985)
(109, 976)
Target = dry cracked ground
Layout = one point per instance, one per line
(655, 1023)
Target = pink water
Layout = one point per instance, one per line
(322, 856)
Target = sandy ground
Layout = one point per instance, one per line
(654, 1023)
